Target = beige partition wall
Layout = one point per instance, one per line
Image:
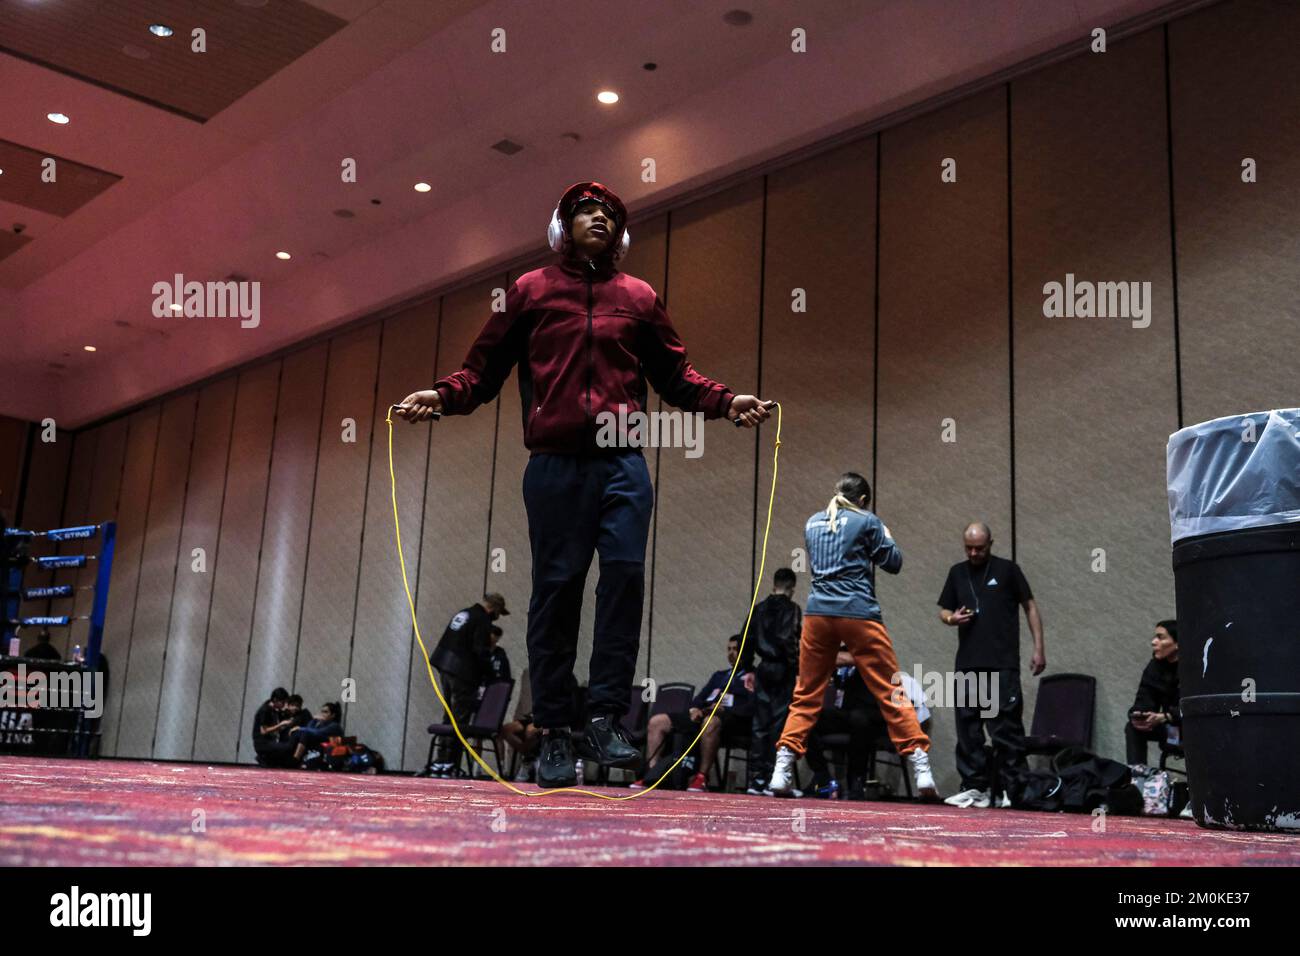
(705, 510)
(1232, 75)
(133, 506)
(454, 538)
(100, 506)
(234, 570)
(195, 566)
(381, 646)
(818, 344)
(277, 606)
(338, 509)
(142, 666)
(110, 451)
(944, 431)
(1094, 397)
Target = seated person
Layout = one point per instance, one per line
(735, 715)
(498, 661)
(317, 731)
(295, 715)
(854, 711)
(43, 650)
(1155, 714)
(269, 724)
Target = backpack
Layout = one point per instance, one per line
(345, 754)
(1079, 782)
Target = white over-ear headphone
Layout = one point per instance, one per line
(555, 236)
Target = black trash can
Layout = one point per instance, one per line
(1234, 503)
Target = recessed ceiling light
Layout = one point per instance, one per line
(89, 348)
(607, 96)
(160, 30)
(59, 118)
(283, 255)
(422, 187)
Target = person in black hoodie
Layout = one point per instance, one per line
(1155, 709)
(774, 637)
(463, 658)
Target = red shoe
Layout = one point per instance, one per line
(698, 784)
(637, 785)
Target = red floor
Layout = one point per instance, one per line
(125, 813)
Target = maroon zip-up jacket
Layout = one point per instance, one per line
(586, 338)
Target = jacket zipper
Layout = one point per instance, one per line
(589, 269)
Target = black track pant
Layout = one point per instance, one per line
(1005, 727)
(771, 706)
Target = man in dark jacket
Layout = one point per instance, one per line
(463, 658)
(774, 639)
(586, 338)
(1156, 707)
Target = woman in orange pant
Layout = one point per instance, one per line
(846, 543)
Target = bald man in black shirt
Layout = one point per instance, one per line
(982, 598)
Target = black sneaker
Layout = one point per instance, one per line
(603, 742)
(555, 766)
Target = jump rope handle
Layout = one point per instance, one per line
(739, 424)
(436, 415)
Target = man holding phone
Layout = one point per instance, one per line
(982, 598)
(1156, 709)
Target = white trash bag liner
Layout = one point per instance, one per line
(1222, 480)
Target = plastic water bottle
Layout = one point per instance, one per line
(578, 768)
(77, 656)
(15, 646)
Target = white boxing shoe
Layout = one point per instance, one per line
(921, 775)
(978, 799)
(782, 782)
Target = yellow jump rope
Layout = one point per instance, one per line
(758, 583)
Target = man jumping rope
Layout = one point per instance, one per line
(586, 337)
(845, 544)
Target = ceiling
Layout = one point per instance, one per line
(207, 164)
